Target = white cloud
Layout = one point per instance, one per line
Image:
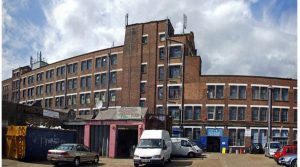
(228, 38)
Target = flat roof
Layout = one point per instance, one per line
(249, 76)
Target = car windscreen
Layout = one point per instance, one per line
(150, 143)
(65, 147)
(193, 143)
(274, 145)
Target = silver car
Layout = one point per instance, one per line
(271, 147)
(289, 160)
(72, 153)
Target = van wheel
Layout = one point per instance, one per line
(169, 160)
(294, 163)
(191, 155)
(162, 163)
(76, 161)
(136, 165)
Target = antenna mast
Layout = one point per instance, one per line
(126, 19)
(184, 23)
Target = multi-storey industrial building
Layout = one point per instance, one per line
(160, 70)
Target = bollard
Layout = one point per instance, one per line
(236, 151)
(223, 150)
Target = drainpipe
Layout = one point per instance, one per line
(108, 80)
(270, 113)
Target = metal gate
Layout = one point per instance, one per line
(80, 132)
(99, 139)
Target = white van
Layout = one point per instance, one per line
(185, 147)
(155, 147)
(271, 147)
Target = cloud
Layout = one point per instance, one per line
(228, 37)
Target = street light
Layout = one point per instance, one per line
(270, 113)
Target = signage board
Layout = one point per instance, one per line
(214, 132)
(52, 114)
(128, 113)
(248, 133)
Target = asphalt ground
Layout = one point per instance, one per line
(208, 159)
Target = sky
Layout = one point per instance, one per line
(250, 37)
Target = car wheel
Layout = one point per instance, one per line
(55, 163)
(96, 160)
(294, 163)
(191, 155)
(136, 165)
(76, 161)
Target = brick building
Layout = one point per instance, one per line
(160, 70)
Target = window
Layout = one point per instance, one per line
(175, 52)
(280, 135)
(86, 65)
(284, 115)
(100, 79)
(30, 92)
(280, 94)
(113, 77)
(48, 103)
(142, 103)
(142, 88)
(160, 93)
(161, 73)
(39, 90)
(24, 81)
(161, 53)
(72, 84)
(162, 37)
(174, 92)
(188, 113)
(60, 86)
(295, 95)
(237, 113)
(197, 112)
(174, 112)
(276, 114)
(237, 92)
(39, 77)
(72, 68)
(49, 74)
(188, 132)
(259, 113)
(85, 82)
(236, 137)
(113, 59)
(112, 96)
(83, 112)
(259, 93)
(60, 101)
(174, 72)
(49, 88)
(85, 98)
(215, 91)
(215, 113)
(145, 39)
(99, 96)
(60, 71)
(71, 100)
(24, 93)
(196, 133)
(104, 61)
(295, 115)
(98, 62)
(30, 80)
(144, 68)
(159, 110)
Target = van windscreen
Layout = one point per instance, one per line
(150, 143)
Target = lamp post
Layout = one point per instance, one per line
(269, 113)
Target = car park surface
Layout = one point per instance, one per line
(207, 159)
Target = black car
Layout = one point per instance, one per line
(256, 148)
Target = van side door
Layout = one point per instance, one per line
(185, 147)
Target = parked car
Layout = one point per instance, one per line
(271, 147)
(256, 148)
(155, 147)
(72, 153)
(289, 160)
(185, 147)
(286, 150)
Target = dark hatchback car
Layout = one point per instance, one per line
(256, 148)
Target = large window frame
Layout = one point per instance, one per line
(215, 91)
(236, 113)
(215, 113)
(260, 93)
(258, 113)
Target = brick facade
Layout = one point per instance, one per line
(139, 62)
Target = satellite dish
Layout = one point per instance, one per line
(99, 104)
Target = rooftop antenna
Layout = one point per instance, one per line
(113, 44)
(184, 23)
(40, 55)
(126, 19)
